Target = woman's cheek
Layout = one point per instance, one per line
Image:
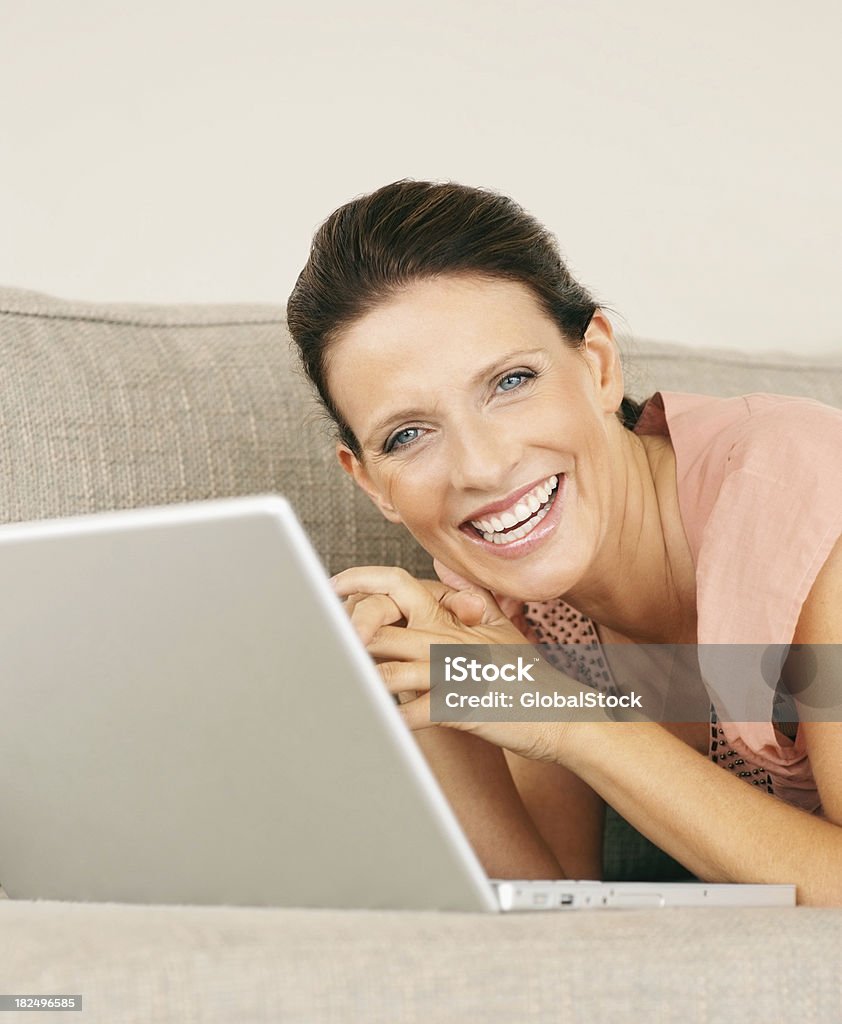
(405, 491)
(422, 502)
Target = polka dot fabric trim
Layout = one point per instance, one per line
(730, 760)
(556, 623)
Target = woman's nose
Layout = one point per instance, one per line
(483, 459)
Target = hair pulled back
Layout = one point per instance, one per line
(408, 231)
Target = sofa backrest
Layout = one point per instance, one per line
(121, 406)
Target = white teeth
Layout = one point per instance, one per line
(499, 530)
(523, 511)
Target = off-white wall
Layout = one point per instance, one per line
(688, 156)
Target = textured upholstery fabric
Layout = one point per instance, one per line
(121, 406)
(106, 407)
(220, 965)
(653, 366)
(128, 406)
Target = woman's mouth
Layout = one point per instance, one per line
(506, 532)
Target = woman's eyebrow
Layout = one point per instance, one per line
(412, 413)
(387, 421)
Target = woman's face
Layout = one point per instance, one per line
(487, 436)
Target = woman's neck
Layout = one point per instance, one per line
(644, 579)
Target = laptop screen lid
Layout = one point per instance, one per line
(190, 717)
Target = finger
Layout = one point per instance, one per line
(396, 643)
(350, 603)
(416, 715)
(467, 606)
(472, 604)
(416, 602)
(371, 611)
(400, 676)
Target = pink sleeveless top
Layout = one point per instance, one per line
(760, 494)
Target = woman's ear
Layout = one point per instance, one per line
(600, 351)
(355, 469)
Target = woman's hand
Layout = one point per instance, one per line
(398, 617)
(511, 607)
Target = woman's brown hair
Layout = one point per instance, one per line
(408, 231)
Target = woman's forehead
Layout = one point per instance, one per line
(443, 319)
(444, 332)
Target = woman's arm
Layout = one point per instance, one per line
(476, 780)
(713, 823)
(821, 623)
(710, 821)
(720, 828)
(567, 812)
(523, 819)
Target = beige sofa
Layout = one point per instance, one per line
(105, 407)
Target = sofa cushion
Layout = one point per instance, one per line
(657, 366)
(121, 406)
(219, 965)
(107, 406)
(110, 407)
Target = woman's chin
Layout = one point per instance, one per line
(527, 593)
(508, 583)
(538, 596)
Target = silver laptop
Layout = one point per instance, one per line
(188, 716)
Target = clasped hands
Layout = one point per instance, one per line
(398, 617)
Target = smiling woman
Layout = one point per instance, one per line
(478, 397)
(484, 403)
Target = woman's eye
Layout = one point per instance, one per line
(514, 380)
(402, 438)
